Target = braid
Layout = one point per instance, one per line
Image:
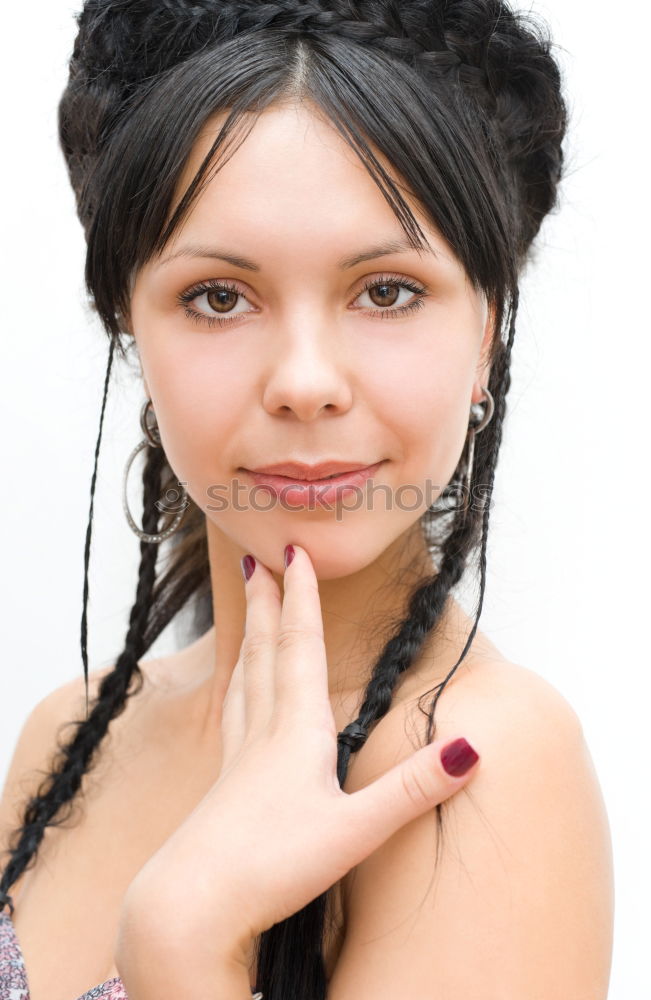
(179, 30)
(428, 601)
(175, 589)
(76, 757)
(486, 466)
(84, 625)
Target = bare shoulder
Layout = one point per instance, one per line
(509, 692)
(492, 699)
(49, 725)
(36, 748)
(165, 679)
(521, 871)
(37, 738)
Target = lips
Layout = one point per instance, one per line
(301, 471)
(297, 492)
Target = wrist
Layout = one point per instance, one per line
(160, 956)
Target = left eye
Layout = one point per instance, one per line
(385, 294)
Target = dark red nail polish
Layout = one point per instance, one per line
(458, 757)
(290, 552)
(248, 565)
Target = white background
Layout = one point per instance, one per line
(568, 592)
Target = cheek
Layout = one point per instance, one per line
(425, 403)
(199, 409)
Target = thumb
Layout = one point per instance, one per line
(426, 778)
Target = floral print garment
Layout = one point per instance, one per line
(13, 976)
(13, 980)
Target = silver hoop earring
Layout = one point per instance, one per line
(475, 427)
(152, 440)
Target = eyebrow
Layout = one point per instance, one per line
(345, 263)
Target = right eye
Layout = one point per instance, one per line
(218, 296)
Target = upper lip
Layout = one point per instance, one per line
(301, 470)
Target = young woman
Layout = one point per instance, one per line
(308, 221)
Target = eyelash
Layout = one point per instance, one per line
(186, 297)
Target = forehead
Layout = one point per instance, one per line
(287, 143)
(290, 171)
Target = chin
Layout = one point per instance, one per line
(336, 548)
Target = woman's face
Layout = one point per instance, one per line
(318, 348)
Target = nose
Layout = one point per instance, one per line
(309, 372)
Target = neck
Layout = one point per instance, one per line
(360, 610)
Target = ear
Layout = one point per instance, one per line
(483, 370)
(124, 320)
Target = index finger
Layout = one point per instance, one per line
(301, 667)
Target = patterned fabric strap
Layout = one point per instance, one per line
(13, 976)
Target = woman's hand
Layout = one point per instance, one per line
(276, 830)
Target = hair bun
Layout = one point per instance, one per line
(526, 108)
(119, 46)
(128, 41)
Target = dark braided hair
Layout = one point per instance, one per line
(472, 120)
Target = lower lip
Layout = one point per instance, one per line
(299, 492)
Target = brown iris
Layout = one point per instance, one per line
(221, 299)
(383, 292)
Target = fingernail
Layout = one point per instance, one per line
(458, 757)
(248, 565)
(289, 554)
